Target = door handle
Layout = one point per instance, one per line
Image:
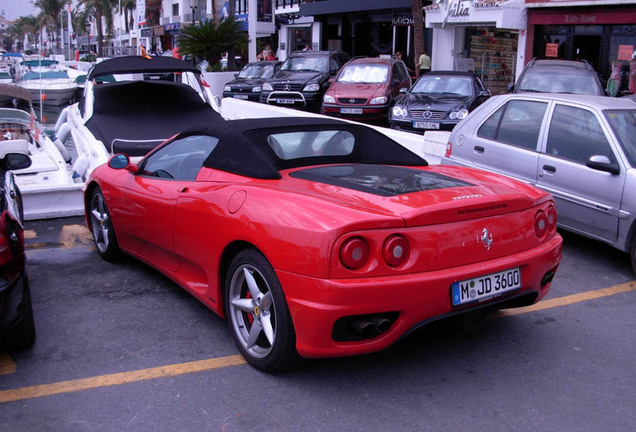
(183, 189)
(479, 149)
(549, 168)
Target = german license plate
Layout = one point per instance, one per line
(286, 101)
(351, 110)
(239, 96)
(425, 125)
(485, 287)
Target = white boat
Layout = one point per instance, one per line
(52, 87)
(49, 187)
(132, 104)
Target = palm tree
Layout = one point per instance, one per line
(101, 9)
(50, 11)
(25, 26)
(418, 31)
(210, 41)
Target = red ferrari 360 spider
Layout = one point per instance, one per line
(320, 238)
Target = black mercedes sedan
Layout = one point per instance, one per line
(249, 81)
(438, 101)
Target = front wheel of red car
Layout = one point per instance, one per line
(102, 227)
(257, 313)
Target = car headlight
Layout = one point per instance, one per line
(256, 89)
(267, 87)
(461, 114)
(227, 88)
(328, 99)
(378, 100)
(311, 87)
(398, 111)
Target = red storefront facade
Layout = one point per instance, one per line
(599, 32)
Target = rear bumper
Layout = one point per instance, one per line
(414, 299)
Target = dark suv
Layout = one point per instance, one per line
(558, 76)
(303, 79)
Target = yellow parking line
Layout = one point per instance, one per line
(235, 360)
(570, 299)
(119, 378)
(7, 365)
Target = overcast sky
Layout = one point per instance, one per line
(16, 8)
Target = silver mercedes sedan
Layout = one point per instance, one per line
(580, 148)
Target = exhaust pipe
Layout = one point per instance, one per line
(364, 327)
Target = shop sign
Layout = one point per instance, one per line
(455, 10)
(171, 27)
(157, 30)
(402, 20)
(580, 19)
(552, 50)
(625, 52)
(146, 32)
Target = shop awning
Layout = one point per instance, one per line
(345, 6)
(506, 14)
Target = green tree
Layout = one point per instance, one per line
(50, 11)
(210, 41)
(25, 26)
(102, 11)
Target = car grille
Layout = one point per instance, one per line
(288, 87)
(422, 114)
(352, 101)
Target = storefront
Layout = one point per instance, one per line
(363, 27)
(484, 37)
(599, 34)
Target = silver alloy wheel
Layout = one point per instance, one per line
(100, 223)
(252, 311)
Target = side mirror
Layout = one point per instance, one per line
(484, 94)
(602, 163)
(16, 161)
(404, 90)
(236, 75)
(121, 161)
(511, 88)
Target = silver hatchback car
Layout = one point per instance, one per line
(580, 148)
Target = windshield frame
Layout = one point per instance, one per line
(624, 129)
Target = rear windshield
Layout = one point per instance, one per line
(297, 145)
(623, 123)
(559, 80)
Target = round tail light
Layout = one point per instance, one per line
(354, 253)
(396, 250)
(552, 218)
(540, 224)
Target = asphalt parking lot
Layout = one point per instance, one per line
(121, 348)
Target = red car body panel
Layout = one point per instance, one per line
(187, 230)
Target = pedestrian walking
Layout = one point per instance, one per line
(424, 63)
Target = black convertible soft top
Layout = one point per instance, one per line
(243, 147)
(138, 64)
(133, 117)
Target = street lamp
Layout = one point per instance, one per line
(88, 35)
(193, 8)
